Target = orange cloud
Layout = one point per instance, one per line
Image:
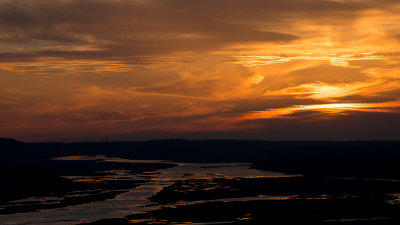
(331, 108)
(98, 66)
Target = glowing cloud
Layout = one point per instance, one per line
(333, 108)
(75, 68)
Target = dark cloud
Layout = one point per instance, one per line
(355, 126)
(122, 30)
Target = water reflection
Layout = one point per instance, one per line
(343, 220)
(135, 200)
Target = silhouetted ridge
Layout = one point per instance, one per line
(8, 141)
(316, 158)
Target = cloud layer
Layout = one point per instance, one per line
(149, 69)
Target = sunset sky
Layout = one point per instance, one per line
(76, 70)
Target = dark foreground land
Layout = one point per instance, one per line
(340, 183)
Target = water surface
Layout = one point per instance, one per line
(135, 200)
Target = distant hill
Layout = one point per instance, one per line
(7, 141)
(314, 158)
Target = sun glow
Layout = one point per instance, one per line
(334, 108)
(327, 91)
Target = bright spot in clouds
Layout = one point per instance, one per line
(135, 69)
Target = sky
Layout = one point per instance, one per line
(78, 70)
